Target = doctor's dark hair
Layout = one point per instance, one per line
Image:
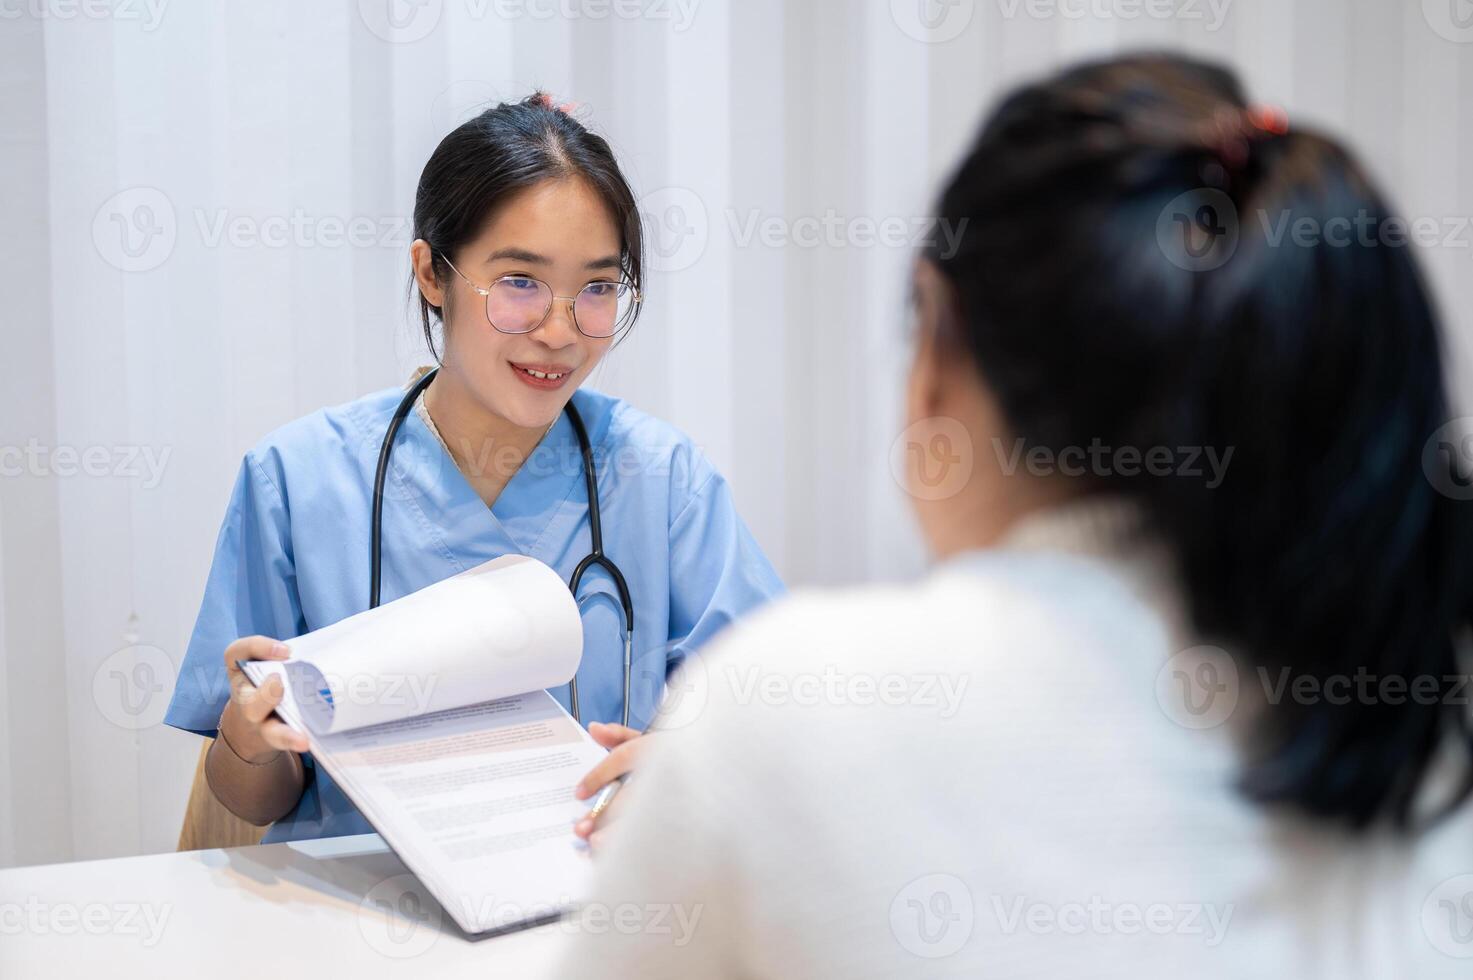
(501, 151)
(1335, 545)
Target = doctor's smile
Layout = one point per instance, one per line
(547, 376)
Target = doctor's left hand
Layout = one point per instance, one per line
(625, 746)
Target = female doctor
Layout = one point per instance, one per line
(528, 254)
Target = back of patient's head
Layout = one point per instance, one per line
(1093, 313)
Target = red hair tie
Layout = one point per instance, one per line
(1269, 119)
(1230, 131)
(566, 108)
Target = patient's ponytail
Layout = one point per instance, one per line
(1151, 262)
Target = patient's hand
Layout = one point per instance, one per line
(625, 747)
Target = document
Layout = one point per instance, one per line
(430, 712)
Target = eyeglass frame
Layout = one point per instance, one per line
(572, 301)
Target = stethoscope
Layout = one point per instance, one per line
(595, 557)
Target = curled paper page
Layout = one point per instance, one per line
(500, 629)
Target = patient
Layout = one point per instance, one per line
(1184, 694)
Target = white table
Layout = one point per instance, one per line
(337, 909)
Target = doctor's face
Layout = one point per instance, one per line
(561, 233)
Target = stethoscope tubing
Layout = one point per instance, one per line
(595, 527)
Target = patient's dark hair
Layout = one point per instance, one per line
(1335, 544)
(503, 150)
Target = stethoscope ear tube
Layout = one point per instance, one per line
(595, 527)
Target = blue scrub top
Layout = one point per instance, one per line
(293, 552)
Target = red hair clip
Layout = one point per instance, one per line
(1269, 119)
(566, 108)
(1231, 131)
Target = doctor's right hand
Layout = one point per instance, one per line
(247, 723)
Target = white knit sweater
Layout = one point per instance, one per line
(994, 773)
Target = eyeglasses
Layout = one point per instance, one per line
(520, 304)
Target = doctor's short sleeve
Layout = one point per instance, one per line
(251, 589)
(718, 573)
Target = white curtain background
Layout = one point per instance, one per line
(203, 235)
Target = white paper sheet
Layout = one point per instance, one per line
(500, 629)
(431, 714)
(478, 801)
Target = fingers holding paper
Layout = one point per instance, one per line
(253, 731)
